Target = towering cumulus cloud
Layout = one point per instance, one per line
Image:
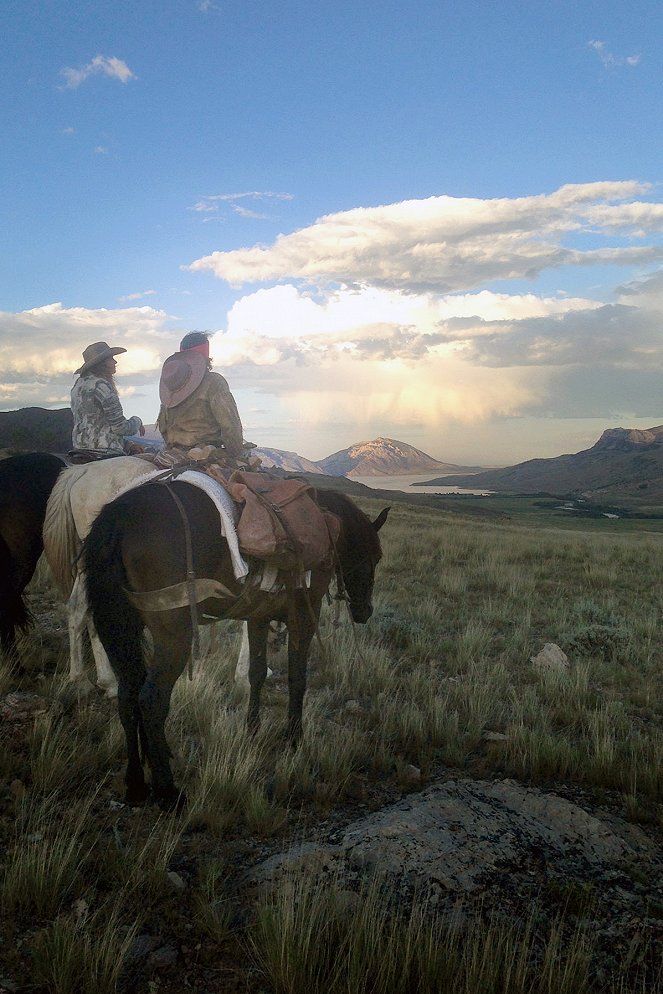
(399, 313)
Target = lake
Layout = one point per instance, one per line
(404, 483)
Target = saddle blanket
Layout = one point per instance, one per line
(228, 515)
(228, 512)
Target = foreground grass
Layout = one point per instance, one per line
(317, 936)
(460, 607)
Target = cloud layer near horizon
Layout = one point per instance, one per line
(391, 316)
(42, 347)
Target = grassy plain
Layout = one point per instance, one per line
(461, 604)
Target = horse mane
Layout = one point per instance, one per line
(359, 533)
(61, 542)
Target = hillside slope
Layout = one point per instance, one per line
(288, 461)
(624, 463)
(35, 428)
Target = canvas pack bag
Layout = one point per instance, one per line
(281, 523)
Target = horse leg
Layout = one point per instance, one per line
(257, 637)
(172, 645)
(77, 610)
(242, 667)
(130, 681)
(106, 679)
(308, 611)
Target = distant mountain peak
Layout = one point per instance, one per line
(625, 439)
(383, 457)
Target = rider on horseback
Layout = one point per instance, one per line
(99, 421)
(197, 407)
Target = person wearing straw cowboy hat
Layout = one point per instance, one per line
(197, 407)
(99, 421)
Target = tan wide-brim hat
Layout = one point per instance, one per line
(181, 374)
(96, 353)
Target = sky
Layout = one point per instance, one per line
(439, 222)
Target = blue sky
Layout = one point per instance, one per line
(439, 222)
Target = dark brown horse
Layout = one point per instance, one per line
(26, 481)
(138, 544)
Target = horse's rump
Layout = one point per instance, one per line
(61, 542)
(75, 502)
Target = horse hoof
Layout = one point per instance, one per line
(172, 800)
(136, 795)
(109, 692)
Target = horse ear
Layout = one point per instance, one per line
(381, 518)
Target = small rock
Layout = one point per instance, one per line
(551, 658)
(80, 909)
(494, 737)
(176, 881)
(353, 707)
(165, 956)
(20, 706)
(142, 946)
(115, 805)
(411, 774)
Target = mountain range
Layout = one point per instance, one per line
(623, 463)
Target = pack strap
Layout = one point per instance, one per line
(190, 579)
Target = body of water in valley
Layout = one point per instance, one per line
(404, 483)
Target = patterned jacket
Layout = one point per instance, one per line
(208, 416)
(99, 422)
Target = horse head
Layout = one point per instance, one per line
(358, 550)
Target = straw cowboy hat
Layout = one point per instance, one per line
(181, 374)
(95, 354)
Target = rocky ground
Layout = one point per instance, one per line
(471, 846)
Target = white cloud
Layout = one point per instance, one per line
(450, 245)
(611, 61)
(100, 150)
(40, 349)
(108, 66)
(211, 204)
(247, 212)
(136, 296)
(253, 195)
(363, 354)
(203, 206)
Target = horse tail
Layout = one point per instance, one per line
(62, 545)
(117, 621)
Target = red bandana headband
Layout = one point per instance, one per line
(203, 349)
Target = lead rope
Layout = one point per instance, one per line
(341, 595)
(190, 580)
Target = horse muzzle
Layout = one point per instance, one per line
(361, 613)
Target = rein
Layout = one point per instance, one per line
(342, 595)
